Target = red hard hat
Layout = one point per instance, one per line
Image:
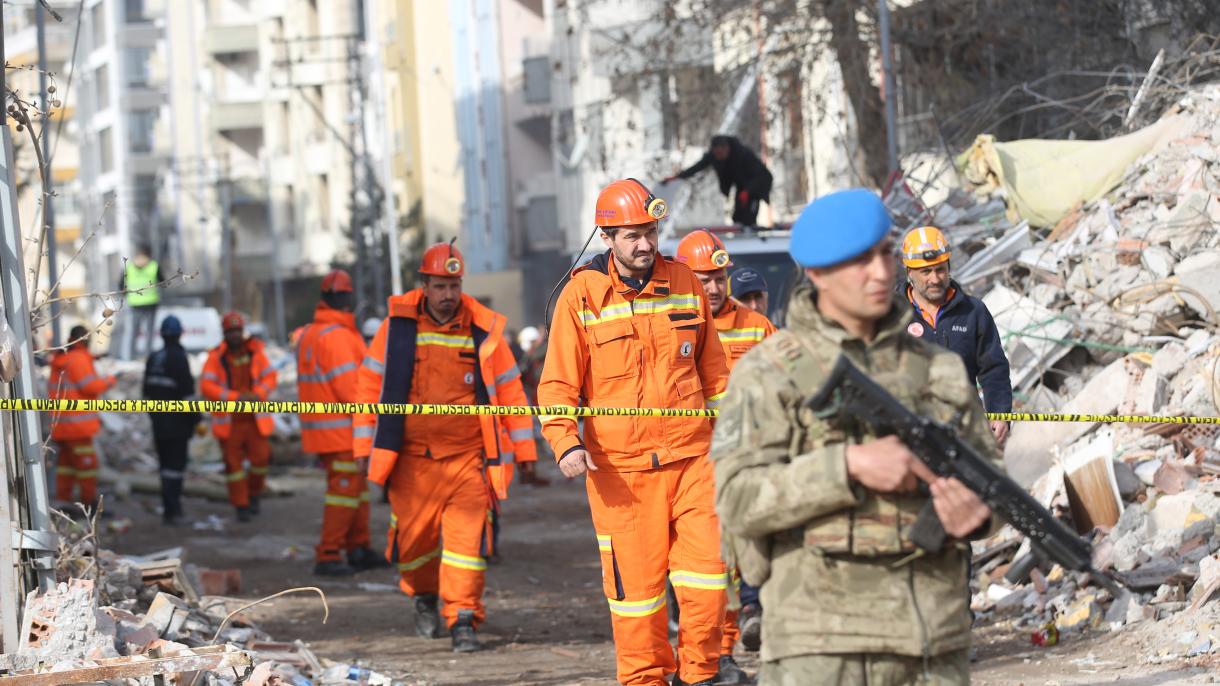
(443, 259)
(628, 202)
(232, 320)
(338, 281)
(703, 251)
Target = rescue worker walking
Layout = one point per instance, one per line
(737, 167)
(739, 329)
(73, 377)
(945, 314)
(442, 473)
(634, 330)
(238, 369)
(824, 501)
(167, 376)
(329, 353)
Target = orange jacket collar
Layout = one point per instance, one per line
(253, 345)
(604, 263)
(409, 304)
(325, 314)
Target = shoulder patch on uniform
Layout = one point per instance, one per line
(788, 346)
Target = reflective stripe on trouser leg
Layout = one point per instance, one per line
(341, 505)
(463, 525)
(65, 472)
(631, 520)
(696, 570)
(258, 451)
(358, 531)
(85, 461)
(236, 476)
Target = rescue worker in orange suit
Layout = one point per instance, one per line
(329, 353)
(632, 329)
(739, 329)
(238, 369)
(442, 473)
(73, 377)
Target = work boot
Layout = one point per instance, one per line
(427, 619)
(464, 640)
(362, 559)
(750, 622)
(333, 568)
(243, 514)
(255, 506)
(731, 674)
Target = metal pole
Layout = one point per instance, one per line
(353, 67)
(48, 206)
(277, 282)
(226, 233)
(33, 473)
(387, 197)
(887, 73)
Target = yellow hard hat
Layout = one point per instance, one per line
(925, 247)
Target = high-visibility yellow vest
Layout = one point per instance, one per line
(141, 288)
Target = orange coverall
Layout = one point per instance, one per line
(739, 329)
(73, 377)
(652, 495)
(243, 437)
(329, 354)
(445, 473)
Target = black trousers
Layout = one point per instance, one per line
(172, 454)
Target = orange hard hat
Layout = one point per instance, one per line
(338, 281)
(628, 202)
(232, 320)
(703, 251)
(442, 259)
(925, 247)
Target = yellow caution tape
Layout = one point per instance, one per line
(294, 407)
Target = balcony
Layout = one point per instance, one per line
(221, 40)
(237, 115)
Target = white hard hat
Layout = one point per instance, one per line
(528, 337)
(370, 326)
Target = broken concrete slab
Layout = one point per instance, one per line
(166, 614)
(1029, 451)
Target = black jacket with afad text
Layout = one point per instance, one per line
(965, 326)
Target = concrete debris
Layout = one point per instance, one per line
(1114, 310)
(158, 624)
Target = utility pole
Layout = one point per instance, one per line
(48, 205)
(354, 127)
(376, 68)
(225, 189)
(887, 73)
(32, 527)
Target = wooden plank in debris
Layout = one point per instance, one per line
(208, 659)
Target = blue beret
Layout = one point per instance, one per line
(837, 227)
(745, 281)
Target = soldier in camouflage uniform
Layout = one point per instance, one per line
(822, 504)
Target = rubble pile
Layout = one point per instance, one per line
(1112, 310)
(143, 616)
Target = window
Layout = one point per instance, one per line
(100, 30)
(140, 126)
(101, 86)
(105, 143)
(135, 11)
(144, 199)
(137, 61)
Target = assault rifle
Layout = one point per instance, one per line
(848, 393)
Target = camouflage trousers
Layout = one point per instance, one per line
(879, 669)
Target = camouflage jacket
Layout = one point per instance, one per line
(842, 577)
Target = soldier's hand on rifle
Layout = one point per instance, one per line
(886, 466)
(960, 510)
(576, 463)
